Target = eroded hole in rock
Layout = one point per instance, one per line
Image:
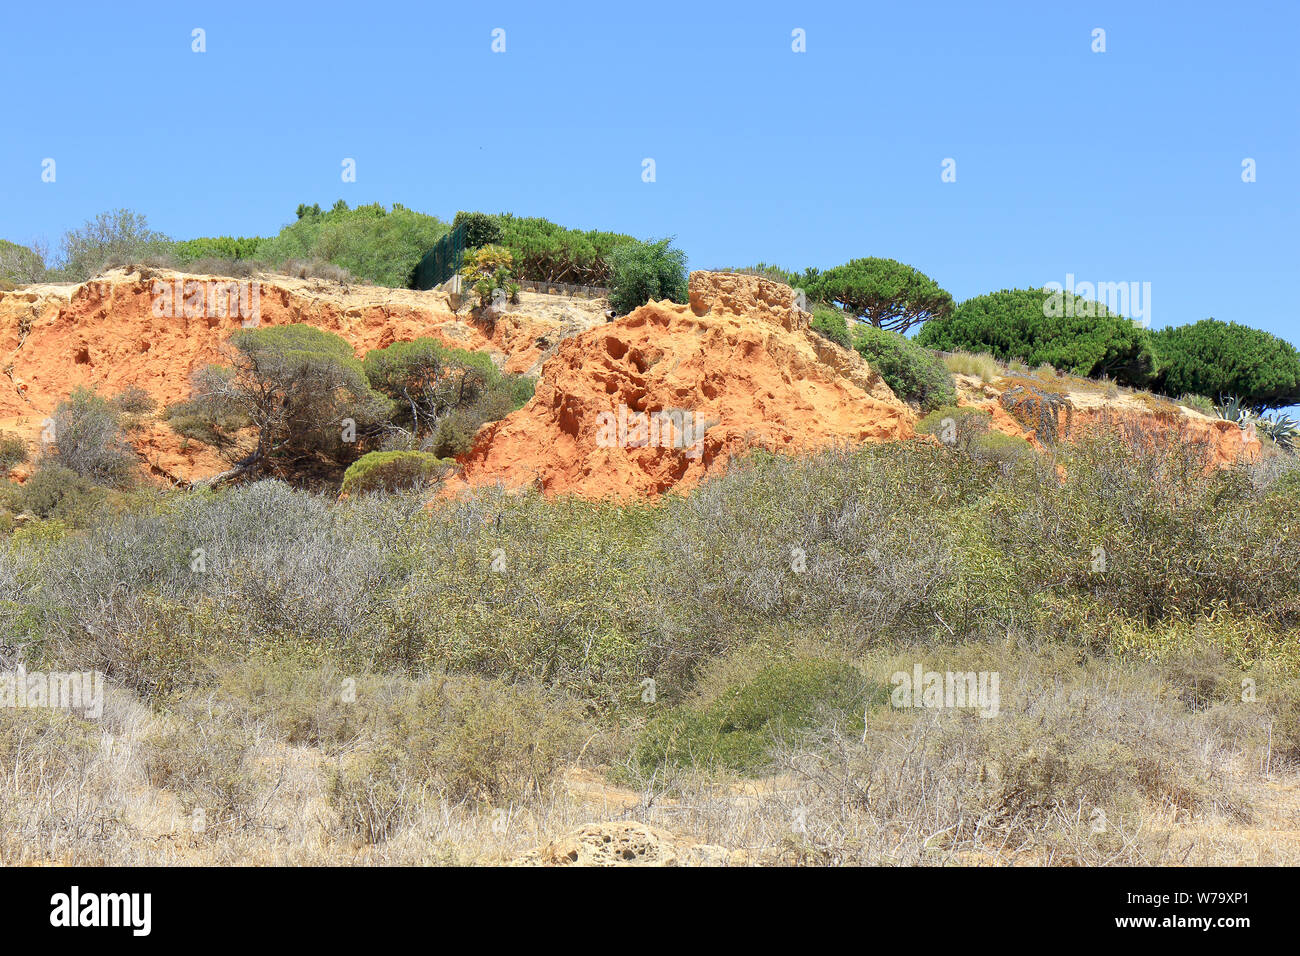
(82, 357)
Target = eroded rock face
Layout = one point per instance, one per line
(651, 402)
(1047, 418)
(108, 333)
(735, 369)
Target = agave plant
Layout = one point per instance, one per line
(1234, 410)
(1283, 429)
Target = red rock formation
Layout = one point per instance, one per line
(739, 363)
(109, 333)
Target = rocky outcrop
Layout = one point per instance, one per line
(659, 398)
(153, 329)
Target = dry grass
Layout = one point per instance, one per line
(983, 366)
(1073, 744)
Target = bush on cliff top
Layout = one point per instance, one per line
(644, 272)
(915, 373)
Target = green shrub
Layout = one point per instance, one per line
(644, 272)
(487, 269)
(831, 323)
(300, 388)
(515, 585)
(54, 491)
(543, 251)
(1000, 448)
(481, 229)
(444, 395)
(882, 292)
(954, 425)
(13, 451)
(369, 242)
(89, 439)
(1073, 334)
(189, 251)
(739, 731)
(914, 373)
(393, 471)
(1213, 359)
(19, 264)
(115, 238)
(133, 400)
(426, 380)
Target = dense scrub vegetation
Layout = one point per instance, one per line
(543, 251)
(914, 373)
(294, 401)
(753, 625)
(1220, 359)
(910, 542)
(1080, 337)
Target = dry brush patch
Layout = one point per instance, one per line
(381, 680)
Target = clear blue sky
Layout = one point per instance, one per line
(1115, 166)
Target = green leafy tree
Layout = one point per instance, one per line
(646, 272)
(300, 390)
(426, 380)
(110, 239)
(882, 292)
(481, 229)
(1215, 359)
(1034, 326)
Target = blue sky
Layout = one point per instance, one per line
(1118, 166)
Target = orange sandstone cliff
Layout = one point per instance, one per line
(737, 368)
(653, 401)
(107, 333)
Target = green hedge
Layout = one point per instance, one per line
(544, 251)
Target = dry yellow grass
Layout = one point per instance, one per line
(79, 793)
